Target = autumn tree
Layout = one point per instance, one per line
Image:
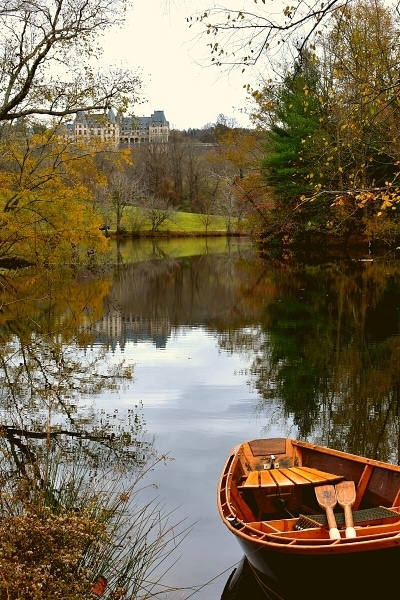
(47, 74)
(46, 202)
(198, 160)
(122, 188)
(235, 163)
(206, 204)
(230, 207)
(229, 164)
(151, 167)
(195, 174)
(360, 57)
(176, 171)
(122, 192)
(177, 148)
(186, 169)
(254, 34)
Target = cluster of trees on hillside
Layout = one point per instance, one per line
(330, 117)
(322, 158)
(189, 174)
(59, 195)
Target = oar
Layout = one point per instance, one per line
(346, 496)
(326, 496)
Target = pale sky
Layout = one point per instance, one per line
(158, 42)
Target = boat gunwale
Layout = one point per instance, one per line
(270, 540)
(343, 454)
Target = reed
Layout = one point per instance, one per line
(68, 531)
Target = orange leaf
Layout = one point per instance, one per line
(99, 587)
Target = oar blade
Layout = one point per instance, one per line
(346, 493)
(326, 496)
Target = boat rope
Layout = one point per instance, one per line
(202, 586)
(263, 587)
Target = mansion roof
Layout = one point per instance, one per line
(119, 128)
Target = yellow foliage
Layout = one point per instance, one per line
(378, 199)
(46, 202)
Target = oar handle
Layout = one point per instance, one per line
(333, 530)
(348, 518)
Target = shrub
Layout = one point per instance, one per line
(69, 532)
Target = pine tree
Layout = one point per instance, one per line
(289, 164)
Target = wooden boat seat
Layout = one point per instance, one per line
(273, 480)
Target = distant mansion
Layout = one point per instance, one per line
(118, 129)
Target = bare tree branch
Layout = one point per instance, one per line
(242, 37)
(45, 53)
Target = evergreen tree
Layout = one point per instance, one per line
(289, 164)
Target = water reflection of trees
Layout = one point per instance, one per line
(73, 518)
(209, 289)
(322, 339)
(49, 377)
(328, 351)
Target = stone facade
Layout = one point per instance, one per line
(144, 130)
(118, 129)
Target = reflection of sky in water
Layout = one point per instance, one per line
(198, 405)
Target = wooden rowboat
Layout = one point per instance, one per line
(313, 522)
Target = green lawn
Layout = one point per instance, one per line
(180, 222)
(191, 222)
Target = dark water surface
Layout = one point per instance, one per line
(226, 347)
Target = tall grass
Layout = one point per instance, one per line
(77, 533)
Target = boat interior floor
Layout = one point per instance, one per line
(359, 516)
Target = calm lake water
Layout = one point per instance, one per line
(226, 347)
(196, 396)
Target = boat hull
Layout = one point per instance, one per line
(243, 584)
(372, 574)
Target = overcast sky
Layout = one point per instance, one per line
(158, 42)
